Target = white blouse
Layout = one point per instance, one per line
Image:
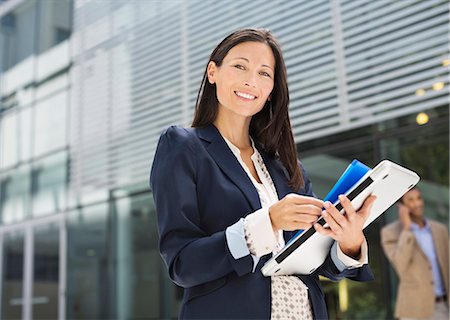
(289, 293)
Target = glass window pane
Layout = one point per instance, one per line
(8, 140)
(141, 274)
(89, 264)
(50, 124)
(49, 181)
(46, 272)
(15, 195)
(25, 134)
(13, 257)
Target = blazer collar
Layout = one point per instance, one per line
(225, 159)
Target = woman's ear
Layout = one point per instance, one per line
(211, 72)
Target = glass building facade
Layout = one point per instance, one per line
(86, 87)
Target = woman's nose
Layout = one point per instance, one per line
(250, 80)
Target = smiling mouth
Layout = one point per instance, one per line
(245, 95)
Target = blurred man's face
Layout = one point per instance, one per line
(413, 200)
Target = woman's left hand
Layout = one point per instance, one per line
(346, 229)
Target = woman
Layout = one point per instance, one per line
(229, 192)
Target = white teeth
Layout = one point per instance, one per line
(245, 95)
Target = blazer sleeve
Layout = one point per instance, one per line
(328, 269)
(188, 251)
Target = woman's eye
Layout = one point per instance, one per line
(241, 67)
(265, 74)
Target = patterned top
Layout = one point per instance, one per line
(289, 293)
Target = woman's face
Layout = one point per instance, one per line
(245, 79)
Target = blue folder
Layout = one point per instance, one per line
(354, 172)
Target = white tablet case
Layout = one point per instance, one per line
(304, 254)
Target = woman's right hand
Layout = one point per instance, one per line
(295, 212)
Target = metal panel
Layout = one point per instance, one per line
(350, 64)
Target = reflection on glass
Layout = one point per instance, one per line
(114, 269)
(139, 265)
(48, 184)
(25, 134)
(46, 271)
(19, 25)
(8, 140)
(15, 195)
(89, 264)
(50, 124)
(15, 137)
(12, 275)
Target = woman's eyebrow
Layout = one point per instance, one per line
(264, 65)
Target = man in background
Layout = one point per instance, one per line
(418, 249)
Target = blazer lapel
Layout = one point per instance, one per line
(225, 159)
(438, 246)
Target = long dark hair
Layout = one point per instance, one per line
(270, 127)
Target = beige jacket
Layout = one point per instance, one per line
(415, 296)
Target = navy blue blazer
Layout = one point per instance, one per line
(199, 189)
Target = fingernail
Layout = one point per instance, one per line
(341, 198)
(327, 204)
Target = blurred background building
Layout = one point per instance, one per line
(86, 87)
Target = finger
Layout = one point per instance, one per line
(299, 199)
(348, 207)
(367, 206)
(323, 231)
(337, 216)
(296, 225)
(304, 225)
(329, 219)
(302, 217)
(308, 209)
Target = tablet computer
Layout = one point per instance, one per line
(308, 250)
(352, 174)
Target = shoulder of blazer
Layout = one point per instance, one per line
(179, 137)
(439, 227)
(174, 143)
(177, 132)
